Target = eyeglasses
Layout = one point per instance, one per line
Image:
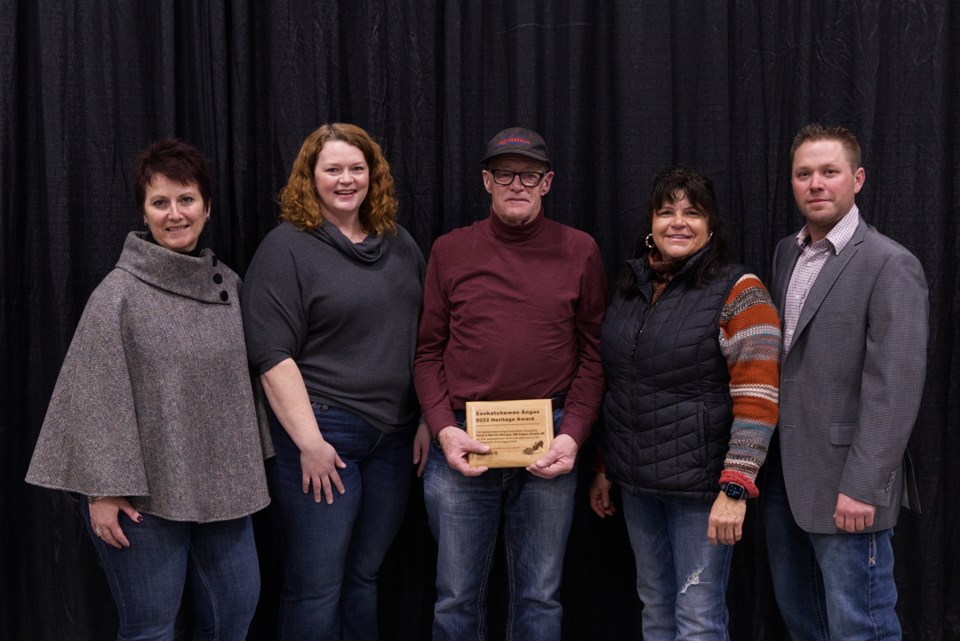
(527, 178)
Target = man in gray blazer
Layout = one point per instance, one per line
(854, 309)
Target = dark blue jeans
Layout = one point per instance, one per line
(828, 586)
(465, 515)
(147, 579)
(332, 553)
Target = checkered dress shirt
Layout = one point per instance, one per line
(811, 261)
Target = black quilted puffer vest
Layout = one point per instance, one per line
(667, 410)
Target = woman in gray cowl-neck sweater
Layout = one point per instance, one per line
(331, 303)
(154, 420)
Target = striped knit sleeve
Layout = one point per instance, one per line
(750, 341)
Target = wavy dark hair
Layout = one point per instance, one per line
(669, 186)
(299, 203)
(178, 161)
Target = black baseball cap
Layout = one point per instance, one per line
(517, 140)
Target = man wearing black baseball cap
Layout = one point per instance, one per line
(512, 310)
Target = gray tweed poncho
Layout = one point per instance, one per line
(154, 400)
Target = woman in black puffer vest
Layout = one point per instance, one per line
(690, 349)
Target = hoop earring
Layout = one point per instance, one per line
(709, 236)
(648, 241)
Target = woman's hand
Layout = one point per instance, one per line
(421, 447)
(600, 501)
(319, 463)
(726, 520)
(105, 520)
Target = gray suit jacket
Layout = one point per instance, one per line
(851, 383)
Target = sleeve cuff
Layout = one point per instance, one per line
(731, 476)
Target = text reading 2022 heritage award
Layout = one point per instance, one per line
(518, 432)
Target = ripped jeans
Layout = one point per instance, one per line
(681, 578)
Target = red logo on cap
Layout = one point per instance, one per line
(513, 139)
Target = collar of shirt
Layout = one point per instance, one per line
(839, 236)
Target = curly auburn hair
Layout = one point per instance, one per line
(299, 203)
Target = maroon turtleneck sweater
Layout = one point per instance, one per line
(512, 313)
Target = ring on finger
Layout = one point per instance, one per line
(98, 532)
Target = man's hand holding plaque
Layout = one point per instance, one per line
(458, 447)
(519, 433)
(559, 459)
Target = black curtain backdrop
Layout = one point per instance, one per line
(619, 89)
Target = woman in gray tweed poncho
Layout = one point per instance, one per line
(153, 418)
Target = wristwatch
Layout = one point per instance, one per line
(735, 491)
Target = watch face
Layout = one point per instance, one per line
(734, 491)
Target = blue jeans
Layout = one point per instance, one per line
(828, 586)
(465, 516)
(681, 578)
(332, 553)
(147, 579)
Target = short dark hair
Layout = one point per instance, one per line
(178, 161)
(816, 131)
(671, 185)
